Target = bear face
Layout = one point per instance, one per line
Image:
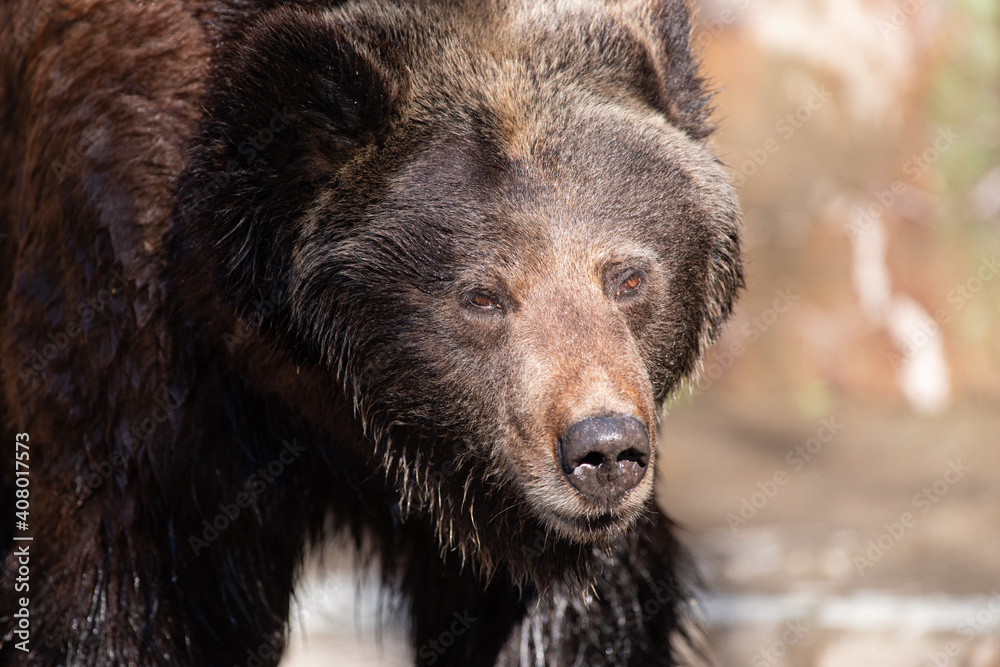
(544, 241)
(538, 296)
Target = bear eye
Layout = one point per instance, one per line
(483, 301)
(629, 286)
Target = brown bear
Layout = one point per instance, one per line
(415, 275)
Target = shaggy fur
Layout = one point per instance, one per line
(392, 250)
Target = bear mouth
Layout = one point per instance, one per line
(597, 528)
(597, 481)
(585, 521)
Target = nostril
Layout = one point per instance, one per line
(605, 456)
(593, 459)
(634, 455)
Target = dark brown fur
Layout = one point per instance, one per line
(278, 221)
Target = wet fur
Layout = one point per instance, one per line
(311, 293)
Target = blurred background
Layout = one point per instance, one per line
(836, 464)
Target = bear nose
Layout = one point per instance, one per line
(604, 457)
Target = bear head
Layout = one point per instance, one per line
(497, 226)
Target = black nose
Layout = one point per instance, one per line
(604, 457)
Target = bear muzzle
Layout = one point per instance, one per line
(604, 457)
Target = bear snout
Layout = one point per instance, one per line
(603, 457)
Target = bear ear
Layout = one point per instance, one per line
(292, 99)
(676, 88)
(297, 86)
